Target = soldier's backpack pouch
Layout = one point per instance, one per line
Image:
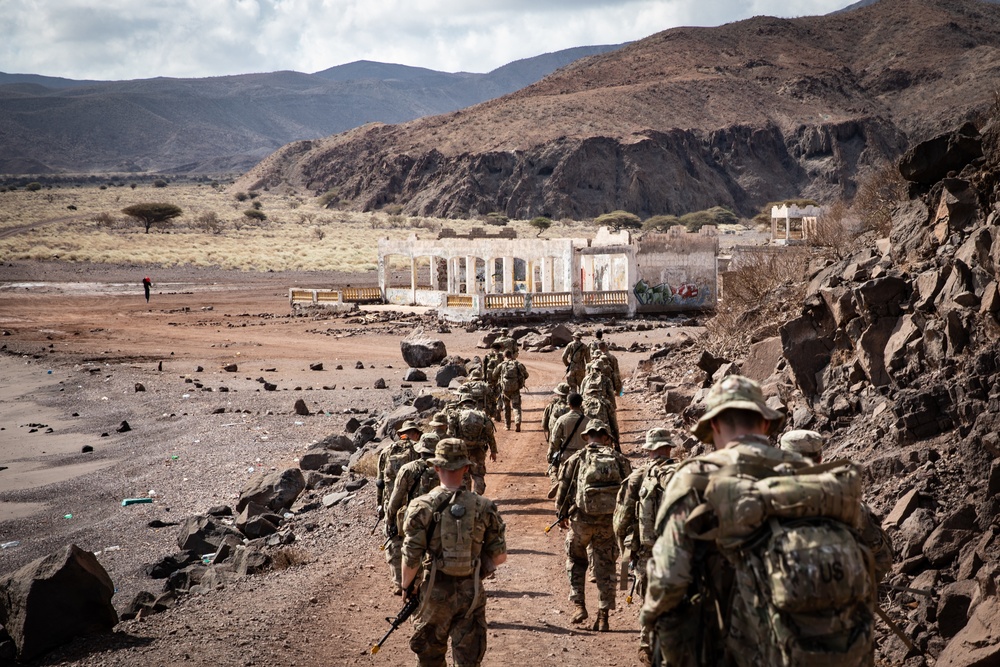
(462, 532)
(597, 482)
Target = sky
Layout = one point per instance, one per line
(139, 39)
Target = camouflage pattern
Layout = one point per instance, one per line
(595, 407)
(414, 479)
(611, 369)
(553, 411)
(735, 392)
(807, 443)
(589, 532)
(507, 344)
(597, 381)
(560, 432)
(575, 358)
(452, 607)
(510, 392)
(477, 444)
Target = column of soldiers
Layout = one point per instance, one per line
(698, 532)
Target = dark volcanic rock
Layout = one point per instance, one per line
(276, 491)
(421, 350)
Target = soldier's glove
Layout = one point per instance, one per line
(380, 512)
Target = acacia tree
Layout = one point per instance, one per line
(150, 214)
(618, 220)
(541, 223)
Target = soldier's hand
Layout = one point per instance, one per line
(564, 524)
(493, 457)
(380, 512)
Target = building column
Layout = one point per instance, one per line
(470, 275)
(547, 274)
(413, 280)
(588, 273)
(508, 275)
(448, 287)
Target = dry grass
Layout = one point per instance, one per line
(298, 234)
(282, 559)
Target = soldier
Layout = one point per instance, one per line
(635, 516)
(611, 369)
(507, 344)
(476, 429)
(595, 345)
(575, 358)
(588, 486)
(455, 537)
(807, 443)
(710, 599)
(390, 461)
(511, 376)
(567, 437)
(596, 406)
(414, 479)
(479, 389)
(597, 376)
(490, 363)
(556, 408)
(439, 429)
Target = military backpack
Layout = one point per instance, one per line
(598, 478)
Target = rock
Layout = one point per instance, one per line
(167, 565)
(976, 644)
(301, 408)
(908, 329)
(397, 417)
(220, 510)
(86, 449)
(316, 480)
(317, 366)
(950, 536)
(124, 428)
(871, 350)
(420, 350)
(333, 499)
(248, 560)
(276, 491)
(352, 425)
(914, 531)
(185, 579)
(560, 335)
(993, 485)
(902, 509)
(202, 534)
(415, 375)
(426, 402)
(930, 161)
(953, 607)
(380, 383)
(336, 443)
(359, 365)
(255, 521)
(448, 373)
(231, 368)
(314, 460)
(677, 399)
(142, 603)
(762, 359)
(139, 387)
(535, 341)
(363, 436)
(356, 484)
(50, 601)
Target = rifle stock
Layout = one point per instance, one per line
(410, 606)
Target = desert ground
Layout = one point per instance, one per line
(76, 340)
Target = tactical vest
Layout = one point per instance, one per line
(597, 480)
(461, 527)
(511, 377)
(400, 453)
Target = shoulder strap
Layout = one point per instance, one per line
(416, 480)
(562, 448)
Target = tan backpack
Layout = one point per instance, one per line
(462, 530)
(597, 480)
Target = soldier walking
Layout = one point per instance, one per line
(511, 376)
(588, 487)
(556, 408)
(635, 517)
(710, 599)
(575, 358)
(473, 426)
(567, 438)
(453, 538)
(490, 363)
(414, 479)
(390, 461)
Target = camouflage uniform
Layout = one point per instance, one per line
(490, 363)
(612, 370)
(596, 407)
(390, 461)
(555, 409)
(565, 426)
(511, 375)
(414, 479)
(507, 344)
(575, 358)
(589, 532)
(479, 389)
(597, 377)
(688, 627)
(476, 429)
(453, 605)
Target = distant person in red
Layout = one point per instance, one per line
(146, 284)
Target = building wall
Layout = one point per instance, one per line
(676, 272)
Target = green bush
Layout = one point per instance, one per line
(618, 220)
(497, 219)
(717, 215)
(255, 214)
(152, 213)
(541, 223)
(241, 196)
(159, 183)
(661, 223)
(34, 186)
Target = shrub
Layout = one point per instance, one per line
(319, 233)
(256, 205)
(34, 186)
(133, 185)
(152, 213)
(159, 183)
(104, 219)
(210, 223)
(877, 198)
(661, 223)
(255, 214)
(253, 194)
(835, 231)
(618, 220)
(541, 223)
(241, 196)
(496, 219)
(393, 209)
(329, 198)
(717, 215)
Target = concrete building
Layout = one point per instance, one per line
(486, 274)
(792, 224)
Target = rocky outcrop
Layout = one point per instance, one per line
(420, 350)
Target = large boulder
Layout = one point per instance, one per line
(420, 350)
(50, 601)
(444, 377)
(276, 491)
(202, 534)
(976, 644)
(930, 161)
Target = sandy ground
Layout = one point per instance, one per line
(74, 344)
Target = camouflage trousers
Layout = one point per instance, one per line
(477, 454)
(645, 635)
(597, 538)
(511, 402)
(676, 635)
(446, 615)
(574, 376)
(394, 557)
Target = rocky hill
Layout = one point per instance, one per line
(686, 119)
(228, 123)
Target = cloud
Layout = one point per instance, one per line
(124, 39)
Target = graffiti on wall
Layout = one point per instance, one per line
(685, 295)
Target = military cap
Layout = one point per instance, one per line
(408, 425)
(450, 454)
(439, 419)
(657, 438)
(735, 392)
(426, 443)
(562, 389)
(802, 442)
(578, 335)
(596, 426)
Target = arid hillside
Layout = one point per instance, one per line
(686, 119)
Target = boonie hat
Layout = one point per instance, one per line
(476, 374)
(577, 334)
(562, 389)
(439, 419)
(450, 454)
(427, 443)
(466, 398)
(657, 438)
(802, 441)
(596, 426)
(735, 392)
(408, 425)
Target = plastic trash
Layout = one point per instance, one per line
(114, 548)
(174, 457)
(10, 545)
(136, 501)
(67, 516)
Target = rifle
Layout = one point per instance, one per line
(391, 532)
(633, 577)
(410, 606)
(564, 513)
(378, 518)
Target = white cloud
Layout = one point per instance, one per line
(125, 39)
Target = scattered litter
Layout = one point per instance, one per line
(10, 545)
(174, 457)
(114, 548)
(67, 516)
(186, 396)
(134, 501)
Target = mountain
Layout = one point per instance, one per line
(737, 115)
(227, 123)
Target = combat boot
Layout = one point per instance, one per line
(601, 623)
(581, 613)
(517, 427)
